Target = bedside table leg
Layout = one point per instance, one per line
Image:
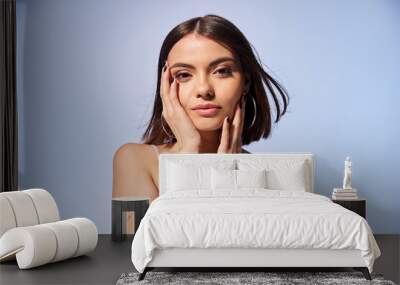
(140, 211)
(116, 227)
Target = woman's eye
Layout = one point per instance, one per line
(181, 75)
(225, 71)
(222, 71)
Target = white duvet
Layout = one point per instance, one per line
(251, 218)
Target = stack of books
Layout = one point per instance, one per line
(344, 194)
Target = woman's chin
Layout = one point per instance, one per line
(208, 124)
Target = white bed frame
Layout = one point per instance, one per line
(249, 257)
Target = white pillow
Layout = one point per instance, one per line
(293, 178)
(188, 176)
(251, 178)
(281, 174)
(237, 179)
(223, 179)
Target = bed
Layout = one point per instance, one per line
(248, 210)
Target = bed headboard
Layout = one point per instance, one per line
(211, 158)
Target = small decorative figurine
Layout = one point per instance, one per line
(347, 174)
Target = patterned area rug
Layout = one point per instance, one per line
(225, 278)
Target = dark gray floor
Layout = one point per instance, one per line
(111, 259)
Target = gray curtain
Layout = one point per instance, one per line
(8, 98)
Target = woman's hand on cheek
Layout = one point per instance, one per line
(231, 136)
(187, 136)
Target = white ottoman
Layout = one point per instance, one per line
(31, 232)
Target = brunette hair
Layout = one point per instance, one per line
(227, 34)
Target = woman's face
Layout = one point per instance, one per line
(190, 61)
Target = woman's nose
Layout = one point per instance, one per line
(204, 88)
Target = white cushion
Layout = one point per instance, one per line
(282, 168)
(30, 230)
(281, 175)
(27, 208)
(23, 208)
(223, 179)
(45, 205)
(67, 237)
(183, 175)
(87, 233)
(6, 215)
(46, 243)
(251, 178)
(227, 179)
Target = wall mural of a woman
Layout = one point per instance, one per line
(213, 96)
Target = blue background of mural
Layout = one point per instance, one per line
(87, 74)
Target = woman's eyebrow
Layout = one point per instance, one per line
(212, 64)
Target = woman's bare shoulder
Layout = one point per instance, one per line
(132, 170)
(129, 152)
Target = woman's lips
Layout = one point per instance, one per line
(209, 112)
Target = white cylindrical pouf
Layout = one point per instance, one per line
(7, 218)
(35, 245)
(31, 232)
(67, 239)
(40, 244)
(45, 205)
(87, 233)
(23, 207)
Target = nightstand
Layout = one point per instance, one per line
(122, 204)
(358, 206)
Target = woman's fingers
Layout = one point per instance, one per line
(242, 113)
(236, 133)
(164, 89)
(231, 136)
(176, 105)
(224, 141)
(188, 138)
(237, 127)
(167, 108)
